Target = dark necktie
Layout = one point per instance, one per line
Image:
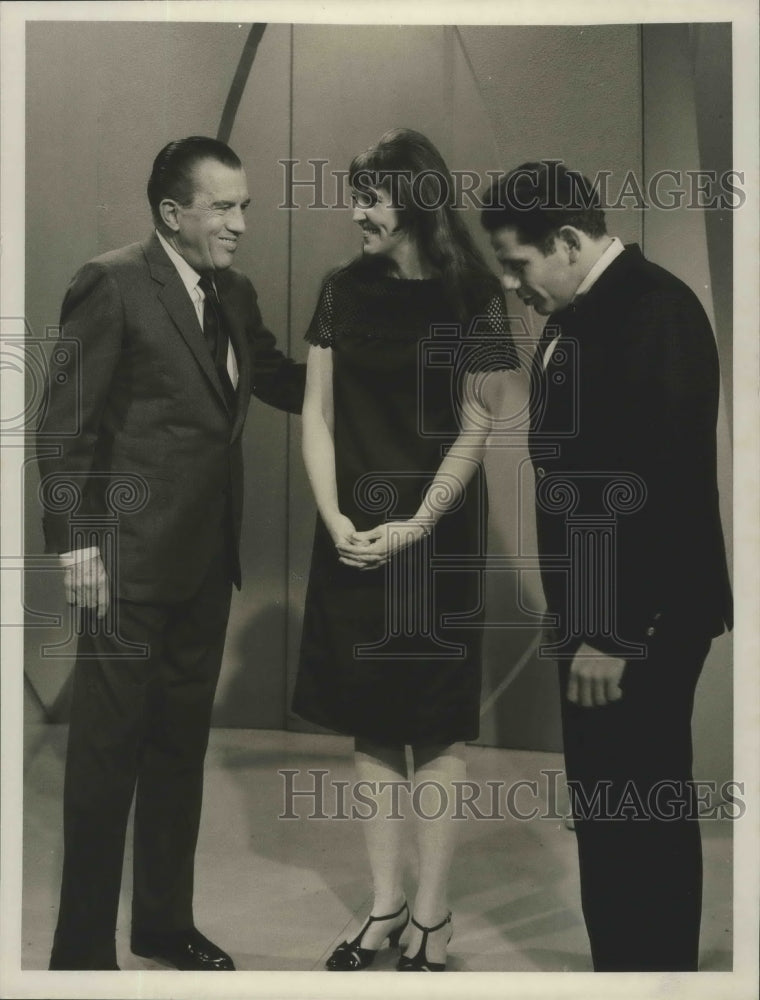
(215, 332)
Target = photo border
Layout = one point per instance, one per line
(740, 983)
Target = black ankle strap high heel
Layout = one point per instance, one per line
(351, 957)
(420, 962)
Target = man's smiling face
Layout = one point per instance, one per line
(210, 226)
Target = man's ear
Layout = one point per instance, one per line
(169, 211)
(571, 237)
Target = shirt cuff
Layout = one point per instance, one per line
(67, 559)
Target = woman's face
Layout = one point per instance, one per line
(378, 221)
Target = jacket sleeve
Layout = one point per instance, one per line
(277, 379)
(76, 393)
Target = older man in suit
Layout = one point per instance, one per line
(171, 345)
(623, 413)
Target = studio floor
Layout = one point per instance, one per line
(280, 894)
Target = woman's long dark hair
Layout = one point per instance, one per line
(406, 165)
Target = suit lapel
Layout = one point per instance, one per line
(175, 299)
(574, 321)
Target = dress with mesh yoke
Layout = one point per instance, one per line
(393, 655)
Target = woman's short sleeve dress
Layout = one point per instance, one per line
(393, 655)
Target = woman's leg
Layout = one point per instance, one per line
(376, 764)
(440, 766)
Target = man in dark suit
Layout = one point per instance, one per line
(623, 413)
(170, 345)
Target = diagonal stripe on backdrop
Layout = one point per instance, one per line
(239, 81)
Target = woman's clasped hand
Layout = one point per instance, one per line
(374, 548)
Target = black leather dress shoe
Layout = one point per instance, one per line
(189, 951)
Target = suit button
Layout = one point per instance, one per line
(540, 472)
(650, 630)
(657, 615)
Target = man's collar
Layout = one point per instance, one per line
(187, 272)
(613, 250)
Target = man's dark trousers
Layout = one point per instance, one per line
(639, 845)
(139, 722)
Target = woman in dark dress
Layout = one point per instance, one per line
(407, 341)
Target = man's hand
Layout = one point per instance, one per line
(85, 583)
(374, 548)
(594, 678)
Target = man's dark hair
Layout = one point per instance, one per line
(538, 198)
(172, 174)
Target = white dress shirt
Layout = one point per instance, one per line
(190, 279)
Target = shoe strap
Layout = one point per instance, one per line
(370, 919)
(430, 930)
(388, 916)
